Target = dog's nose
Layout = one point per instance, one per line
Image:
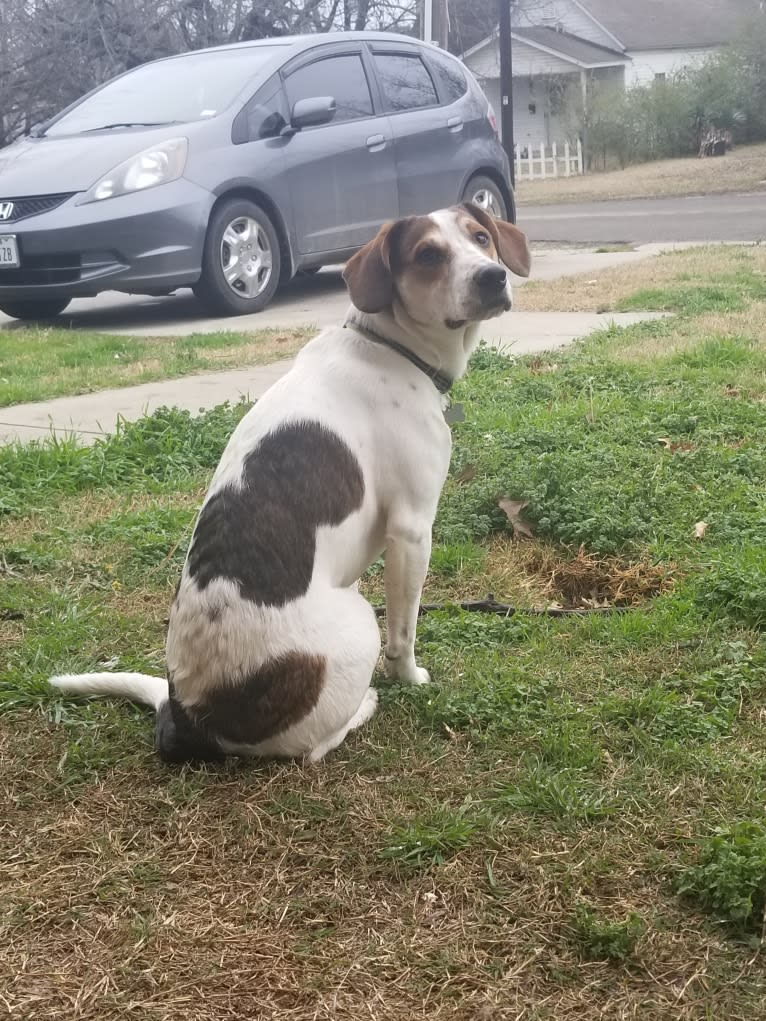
(491, 280)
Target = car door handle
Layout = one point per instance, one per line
(455, 123)
(376, 142)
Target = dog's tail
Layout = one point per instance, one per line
(151, 691)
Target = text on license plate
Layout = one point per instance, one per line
(9, 252)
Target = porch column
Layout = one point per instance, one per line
(584, 130)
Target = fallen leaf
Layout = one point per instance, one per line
(675, 445)
(538, 366)
(466, 474)
(512, 510)
(699, 529)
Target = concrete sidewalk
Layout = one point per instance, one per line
(92, 415)
(309, 302)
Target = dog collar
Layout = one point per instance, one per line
(440, 380)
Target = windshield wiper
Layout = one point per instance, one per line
(128, 124)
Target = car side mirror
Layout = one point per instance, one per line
(309, 113)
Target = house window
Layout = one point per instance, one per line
(660, 76)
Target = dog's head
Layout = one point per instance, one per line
(449, 267)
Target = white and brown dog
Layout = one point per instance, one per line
(270, 648)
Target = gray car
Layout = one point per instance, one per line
(231, 169)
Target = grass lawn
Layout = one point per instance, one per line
(742, 169)
(37, 363)
(703, 279)
(568, 824)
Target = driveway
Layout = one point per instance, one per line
(316, 301)
(691, 218)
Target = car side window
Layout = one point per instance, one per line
(263, 116)
(404, 81)
(341, 77)
(451, 77)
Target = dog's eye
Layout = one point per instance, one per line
(429, 256)
(481, 238)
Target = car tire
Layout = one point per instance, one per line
(485, 194)
(34, 311)
(241, 260)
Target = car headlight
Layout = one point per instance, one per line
(157, 165)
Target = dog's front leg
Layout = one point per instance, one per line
(408, 550)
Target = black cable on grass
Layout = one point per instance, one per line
(489, 605)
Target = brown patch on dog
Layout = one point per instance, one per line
(471, 226)
(510, 243)
(262, 533)
(277, 696)
(371, 272)
(266, 703)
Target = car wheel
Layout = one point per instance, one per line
(485, 194)
(34, 311)
(241, 261)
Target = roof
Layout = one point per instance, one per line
(571, 47)
(672, 24)
(657, 24)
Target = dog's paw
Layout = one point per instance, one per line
(405, 672)
(420, 676)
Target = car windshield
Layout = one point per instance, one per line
(188, 88)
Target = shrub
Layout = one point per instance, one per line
(729, 879)
(600, 940)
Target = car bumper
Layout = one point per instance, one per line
(146, 243)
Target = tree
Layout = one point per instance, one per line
(54, 51)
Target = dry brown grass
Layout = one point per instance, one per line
(261, 352)
(255, 892)
(743, 169)
(584, 579)
(534, 574)
(686, 336)
(605, 290)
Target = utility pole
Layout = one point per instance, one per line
(439, 23)
(428, 21)
(506, 83)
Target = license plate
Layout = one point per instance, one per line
(9, 252)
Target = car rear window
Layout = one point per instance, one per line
(341, 77)
(405, 81)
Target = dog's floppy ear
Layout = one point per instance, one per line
(510, 242)
(368, 273)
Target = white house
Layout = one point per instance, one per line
(629, 42)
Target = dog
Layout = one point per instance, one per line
(270, 647)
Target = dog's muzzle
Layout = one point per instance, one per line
(491, 283)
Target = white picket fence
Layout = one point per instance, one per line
(541, 161)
